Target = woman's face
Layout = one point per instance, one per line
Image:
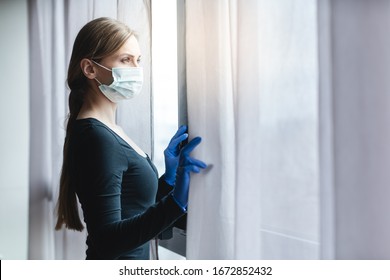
(129, 55)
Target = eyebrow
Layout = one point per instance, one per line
(129, 54)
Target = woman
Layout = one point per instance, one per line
(114, 180)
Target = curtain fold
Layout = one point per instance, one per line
(210, 96)
(47, 115)
(53, 28)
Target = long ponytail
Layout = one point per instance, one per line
(67, 206)
(97, 39)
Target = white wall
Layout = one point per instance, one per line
(14, 129)
(361, 98)
(355, 129)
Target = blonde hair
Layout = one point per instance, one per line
(98, 39)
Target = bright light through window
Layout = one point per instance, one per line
(164, 76)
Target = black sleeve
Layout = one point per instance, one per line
(102, 163)
(164, 189)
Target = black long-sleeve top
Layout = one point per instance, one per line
(117, 189)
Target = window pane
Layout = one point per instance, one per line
(164, 77)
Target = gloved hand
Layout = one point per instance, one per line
(186, 166)
(171, 154)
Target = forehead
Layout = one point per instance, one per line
(131, 47)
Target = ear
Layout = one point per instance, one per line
(88, 68)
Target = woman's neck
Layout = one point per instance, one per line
(96, 105)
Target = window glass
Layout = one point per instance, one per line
(164, 77)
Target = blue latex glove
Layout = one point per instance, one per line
(171, 154)
(186, 166)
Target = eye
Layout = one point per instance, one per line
(126, 60)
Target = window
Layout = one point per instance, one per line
(166, 105)
(164, 77)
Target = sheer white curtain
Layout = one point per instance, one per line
(53, 28)
(252, 96)
(292, 100)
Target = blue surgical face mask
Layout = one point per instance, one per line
(126, 85)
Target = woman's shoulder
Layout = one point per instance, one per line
(92, 131)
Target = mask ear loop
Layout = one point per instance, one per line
(98, 82)
(101, 65)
